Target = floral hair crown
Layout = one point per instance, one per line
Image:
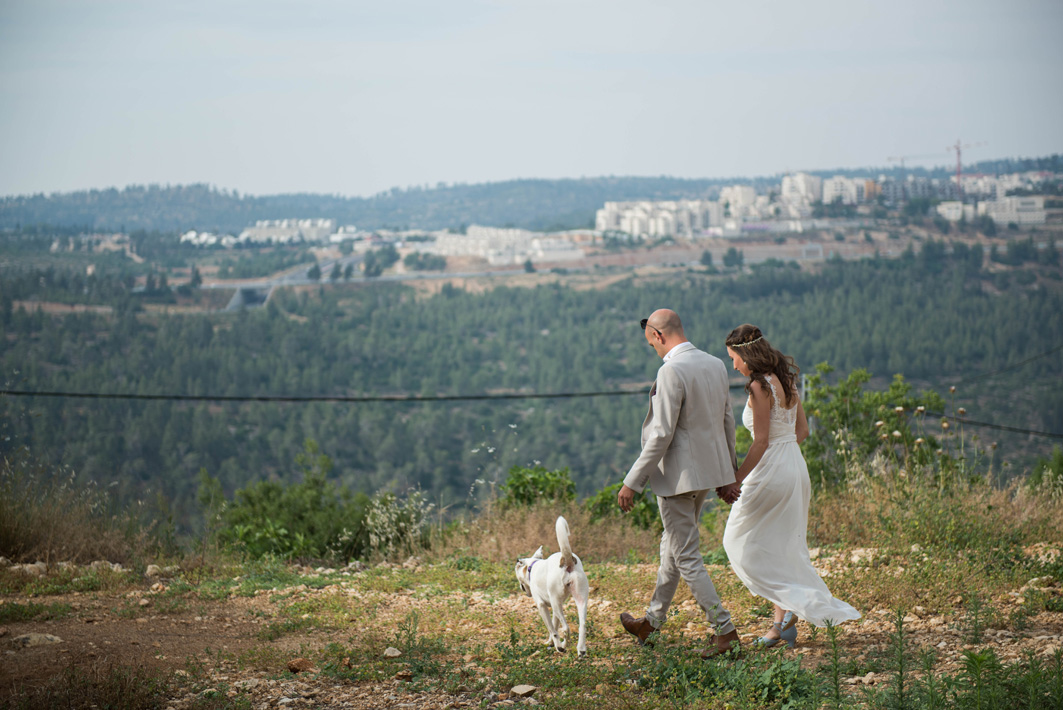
(742, 345)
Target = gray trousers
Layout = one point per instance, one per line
(681, 559)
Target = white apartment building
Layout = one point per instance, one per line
(503, 246)
(547, 249)
(739, 201)
(982, 185)
(848, 191)
(208, 239)
(801, 189)
(954, 211)
(285, 231)
(670, 218)
(1018, 210)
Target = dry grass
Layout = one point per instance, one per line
(896, 511)
(505, 535)
(50, 516)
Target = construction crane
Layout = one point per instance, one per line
(901, 158)
(959, 148)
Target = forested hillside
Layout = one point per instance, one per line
(935, 316)
(531, 204)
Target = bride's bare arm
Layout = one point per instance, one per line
(802, 423)
(760, 400)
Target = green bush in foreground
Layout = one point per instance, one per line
(528, 486)
(314, 518)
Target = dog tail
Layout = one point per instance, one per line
(561, 528)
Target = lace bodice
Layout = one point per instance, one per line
(783, 421)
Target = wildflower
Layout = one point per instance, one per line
(899, 409)
(919, 441)
(944, 424)
(896, 434)
(952, 390)
(961, 411)
(879, 424)
(920, 409)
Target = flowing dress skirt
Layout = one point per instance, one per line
(765, 538)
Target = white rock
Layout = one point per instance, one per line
(28, 640)
(523, 691)
(392, 652)
(153, 571)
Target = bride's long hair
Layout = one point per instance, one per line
(763, 360)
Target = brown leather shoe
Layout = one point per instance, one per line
(722, 644)
(639, 628)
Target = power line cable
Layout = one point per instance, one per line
(1001, 427)
(1016, 366)
(318, 398)
(422, 399)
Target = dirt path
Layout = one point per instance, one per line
(243, 645)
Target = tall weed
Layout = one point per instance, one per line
(51, 515)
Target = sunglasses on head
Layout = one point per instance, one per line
(645, 323)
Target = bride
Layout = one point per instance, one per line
(765, 533)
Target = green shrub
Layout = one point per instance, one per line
(394, 526)
(852, 425)
(1047, 476)
(528, 486)
(312, 518)
(645, 515)
(315, 518)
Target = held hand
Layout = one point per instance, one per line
(729, 493)
(626, 499)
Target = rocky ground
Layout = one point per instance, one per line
(331, 638)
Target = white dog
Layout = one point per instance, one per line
(552, 581)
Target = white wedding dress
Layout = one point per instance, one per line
(765, 538)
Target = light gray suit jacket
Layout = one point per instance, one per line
(688, 438)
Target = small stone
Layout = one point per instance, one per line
(405, 676)
(33, 639)
(285, 701)
(299, 665)
(246, 684)
(153, 571)
(4, 631)
(392, 652)
(523, 691)
(144, 602)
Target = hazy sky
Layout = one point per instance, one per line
(355, 97)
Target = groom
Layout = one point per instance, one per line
(688, 449)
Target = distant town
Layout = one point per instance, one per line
(798, 204)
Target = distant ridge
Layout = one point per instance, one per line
(536, 204)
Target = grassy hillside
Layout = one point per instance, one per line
(959, 584)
